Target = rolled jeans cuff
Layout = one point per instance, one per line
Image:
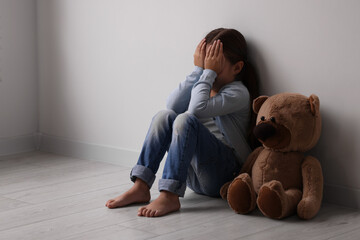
(173, 186)
(143, 173)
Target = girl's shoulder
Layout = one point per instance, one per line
(236, 87)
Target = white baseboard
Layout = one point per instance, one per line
(88, 151)
(18, 144)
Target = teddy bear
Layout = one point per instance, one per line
(277, 177)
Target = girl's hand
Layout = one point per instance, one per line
(200, 52)
(214, 58)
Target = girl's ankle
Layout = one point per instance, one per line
(141, 184)
(168, 194)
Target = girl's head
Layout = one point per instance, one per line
(235, 51)
(234, 45)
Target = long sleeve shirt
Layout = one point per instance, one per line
(230, 107)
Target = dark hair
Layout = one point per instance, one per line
(235, 50)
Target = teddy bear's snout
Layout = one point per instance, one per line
(264, 131)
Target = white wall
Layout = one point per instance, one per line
(107, 66)
(18, 76)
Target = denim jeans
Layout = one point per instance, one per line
(196, 158)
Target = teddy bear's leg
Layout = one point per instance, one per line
(241, 195)
(274, 202)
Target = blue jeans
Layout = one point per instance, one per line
(196, 158)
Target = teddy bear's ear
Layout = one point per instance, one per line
(258, 102)
(314, 104)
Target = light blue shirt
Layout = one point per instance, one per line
(230, 107)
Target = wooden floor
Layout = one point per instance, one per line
(47, 196)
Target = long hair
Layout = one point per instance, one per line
(235, 50)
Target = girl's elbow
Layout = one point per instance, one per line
(197, 112)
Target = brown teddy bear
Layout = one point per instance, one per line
(277, 177)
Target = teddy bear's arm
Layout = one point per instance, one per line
(247, 167)
(313, 182)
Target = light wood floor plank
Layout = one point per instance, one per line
(112, 233)
(45, 176)
(18, 159)
(47, 196)
(61, 207)
(69, 188)
(331, 221)
(7, 203)
(351, 235)
(224, 228)
(67, 226)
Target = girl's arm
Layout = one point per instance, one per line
(179, 99)
(230, 99)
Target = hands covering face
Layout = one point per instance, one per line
(211, 58)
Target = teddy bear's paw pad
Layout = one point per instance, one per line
(269, 202)
(240, 197)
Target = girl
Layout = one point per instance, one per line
(204, 129)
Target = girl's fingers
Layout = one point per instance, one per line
(203, 48)
(212, 49)
(217, 48)
(208, 51)
(200, 44)
(203, 45)
(221, 49)
(197, 47)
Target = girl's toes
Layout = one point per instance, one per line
(148, 212)
(108, 203)
(152, 213)
(156, 213)
(143, 212)
(140, 211)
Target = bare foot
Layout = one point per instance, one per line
(167, 202)
(138, 193)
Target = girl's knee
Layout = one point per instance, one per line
(164, 116)
(183, 121)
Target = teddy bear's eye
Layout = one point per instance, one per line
(272, 119)
(262, 118)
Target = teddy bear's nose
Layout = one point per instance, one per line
(264, 130)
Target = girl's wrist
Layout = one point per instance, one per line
(198, 69)
(210, 72)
